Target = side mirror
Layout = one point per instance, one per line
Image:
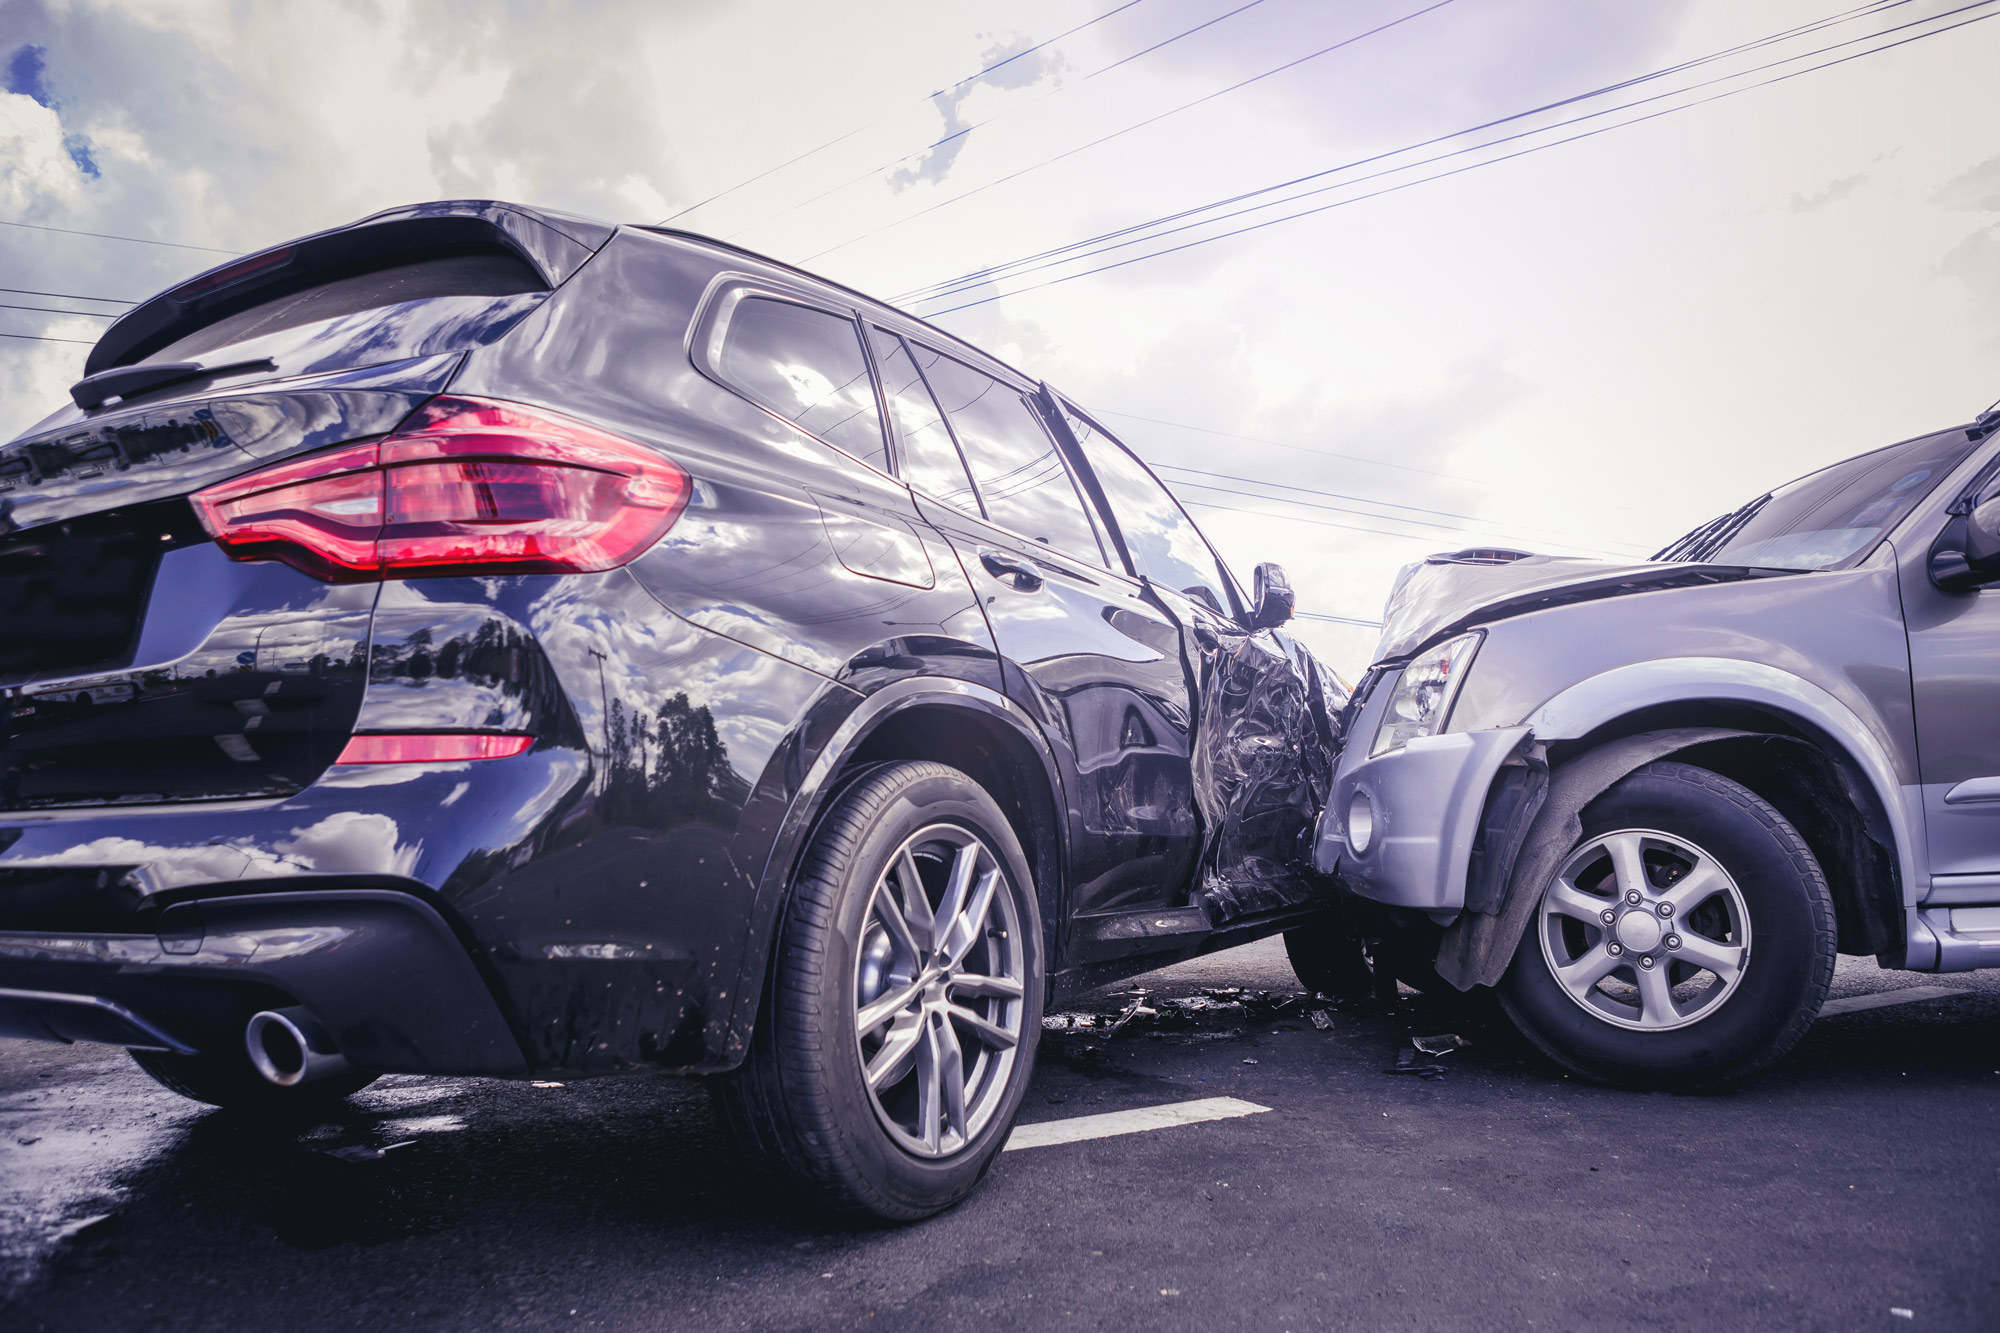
(1966, 554)
(1271, 598)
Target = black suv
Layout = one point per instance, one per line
(479, 640)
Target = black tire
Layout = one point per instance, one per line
(230, 1081)
(799, 1102)
(1336, 958)
(1783, 975)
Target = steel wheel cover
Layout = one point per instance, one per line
(1644, 930)
(939, 980)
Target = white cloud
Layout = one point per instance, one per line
(1602, 343)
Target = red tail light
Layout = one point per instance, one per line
(464, 486)
(446, 747)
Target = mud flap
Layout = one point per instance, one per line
(1266, 741)
(1479, 945)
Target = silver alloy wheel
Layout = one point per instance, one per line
(938, 984)
(1645, 930)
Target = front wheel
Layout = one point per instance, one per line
(899, 1022)
(1686, 940)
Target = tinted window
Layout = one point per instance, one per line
(1830, 518)
(1164, 542)
(930, 459)
(1021, 478)
(807, 366)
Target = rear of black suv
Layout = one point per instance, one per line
(436, 646)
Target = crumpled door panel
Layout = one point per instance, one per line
(1267, 737)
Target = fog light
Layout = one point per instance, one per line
(1360, 823)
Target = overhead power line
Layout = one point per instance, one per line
(107, 236)
(992, 271)
(1338, 620)
(1301, 448)
(43, 338)
(970, 282)
(962, 132)
(1137, 125)
(46, 310)
(68, 296)
(811, 152)
(1479, 524)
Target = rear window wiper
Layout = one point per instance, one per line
(125, 381)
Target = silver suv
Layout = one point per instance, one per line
(1649, 803)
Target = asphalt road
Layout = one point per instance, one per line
(1853, 1187)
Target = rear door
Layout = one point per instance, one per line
(1264, 739)
(1085, 653)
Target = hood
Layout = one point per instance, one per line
(1448, 593)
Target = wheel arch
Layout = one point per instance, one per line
(1804, 747)
(954, 722)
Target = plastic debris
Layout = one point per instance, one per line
(544, 1083)
(1442, 1044)
(1407, 1063)
(362, 1152)
(1902, 1313)
(1248, 1060)
(1321, 1019)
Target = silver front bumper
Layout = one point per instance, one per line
(1424, 801)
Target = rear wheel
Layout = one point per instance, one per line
(1687, 939)
(899, 1022)
(229, 1080)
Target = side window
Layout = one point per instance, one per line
(1022, 480)
(930, 459)
(807, 366)
(1164, 542)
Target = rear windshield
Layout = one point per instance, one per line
(1830, 519)
(410, 309)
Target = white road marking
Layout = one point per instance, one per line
(1078, 1128)
(1882, 999)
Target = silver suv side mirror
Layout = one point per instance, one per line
(1271, 598)
(1966, 554)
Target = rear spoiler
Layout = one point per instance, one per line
(553, 244)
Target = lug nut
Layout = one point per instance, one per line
(1673, 941)
(1608, 915)
(1647, 961)
(1614, 948)
(1633, 897)
(1666, 909)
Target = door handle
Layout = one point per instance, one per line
(1011, 570)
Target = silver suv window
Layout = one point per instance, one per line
(1829, 519)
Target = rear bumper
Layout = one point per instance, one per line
(1425, 801)
(381, 969)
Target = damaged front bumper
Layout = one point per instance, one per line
(1401, 826)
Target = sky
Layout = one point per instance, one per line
(1757, 266)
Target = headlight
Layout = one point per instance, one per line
(1423, 696)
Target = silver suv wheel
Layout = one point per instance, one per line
(1645, 930)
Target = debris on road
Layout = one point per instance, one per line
(1442, 1044)
(1407, 1063)
(362, 1152)
(1321, 1019)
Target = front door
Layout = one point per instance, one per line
(1955, 679)
(1265, 736)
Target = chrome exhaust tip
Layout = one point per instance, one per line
(289, 1047)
